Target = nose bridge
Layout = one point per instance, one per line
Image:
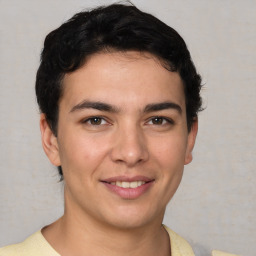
(130, 145)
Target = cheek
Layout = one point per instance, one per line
(169, 157)
(170, 150)
(81, 153)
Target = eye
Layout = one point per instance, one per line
(95, 121)
(159, 120)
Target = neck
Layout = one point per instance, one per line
(72, 235)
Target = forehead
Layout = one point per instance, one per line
(124, 78)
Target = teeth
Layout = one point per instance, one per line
(134, 184)
(140, 183)
(125, 184)
(118, 183)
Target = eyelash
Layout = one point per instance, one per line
(164, 119)
(86, 121)
(100, 119)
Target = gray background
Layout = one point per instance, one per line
(215, 206)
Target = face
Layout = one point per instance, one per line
(122, 138)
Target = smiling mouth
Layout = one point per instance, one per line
(129, 188)
(126, 184)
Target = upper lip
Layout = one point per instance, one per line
(127, 179)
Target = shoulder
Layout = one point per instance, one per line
(179, 246)
(33, 245)
(26, 247)
(220, 253)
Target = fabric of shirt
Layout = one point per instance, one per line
(37, 245)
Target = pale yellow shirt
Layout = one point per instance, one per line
(37, 245)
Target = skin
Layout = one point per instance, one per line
(128, 138)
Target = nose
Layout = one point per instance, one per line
(130, 147)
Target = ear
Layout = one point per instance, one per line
(191, 141)
(49, 142)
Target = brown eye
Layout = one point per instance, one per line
(95, 121)
(157, 120)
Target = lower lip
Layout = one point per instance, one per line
(129, 193)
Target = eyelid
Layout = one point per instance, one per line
(86, 120)
(166, 119)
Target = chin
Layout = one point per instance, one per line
(128, 223)
(129, 218)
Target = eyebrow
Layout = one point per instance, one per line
(95, 105)
(113, 109)
(162, 106)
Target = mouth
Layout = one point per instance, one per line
(128, 188)
(126, 184)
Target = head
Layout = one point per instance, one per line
(115, 28)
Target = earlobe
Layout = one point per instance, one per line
(49, 142)
(191, 141)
